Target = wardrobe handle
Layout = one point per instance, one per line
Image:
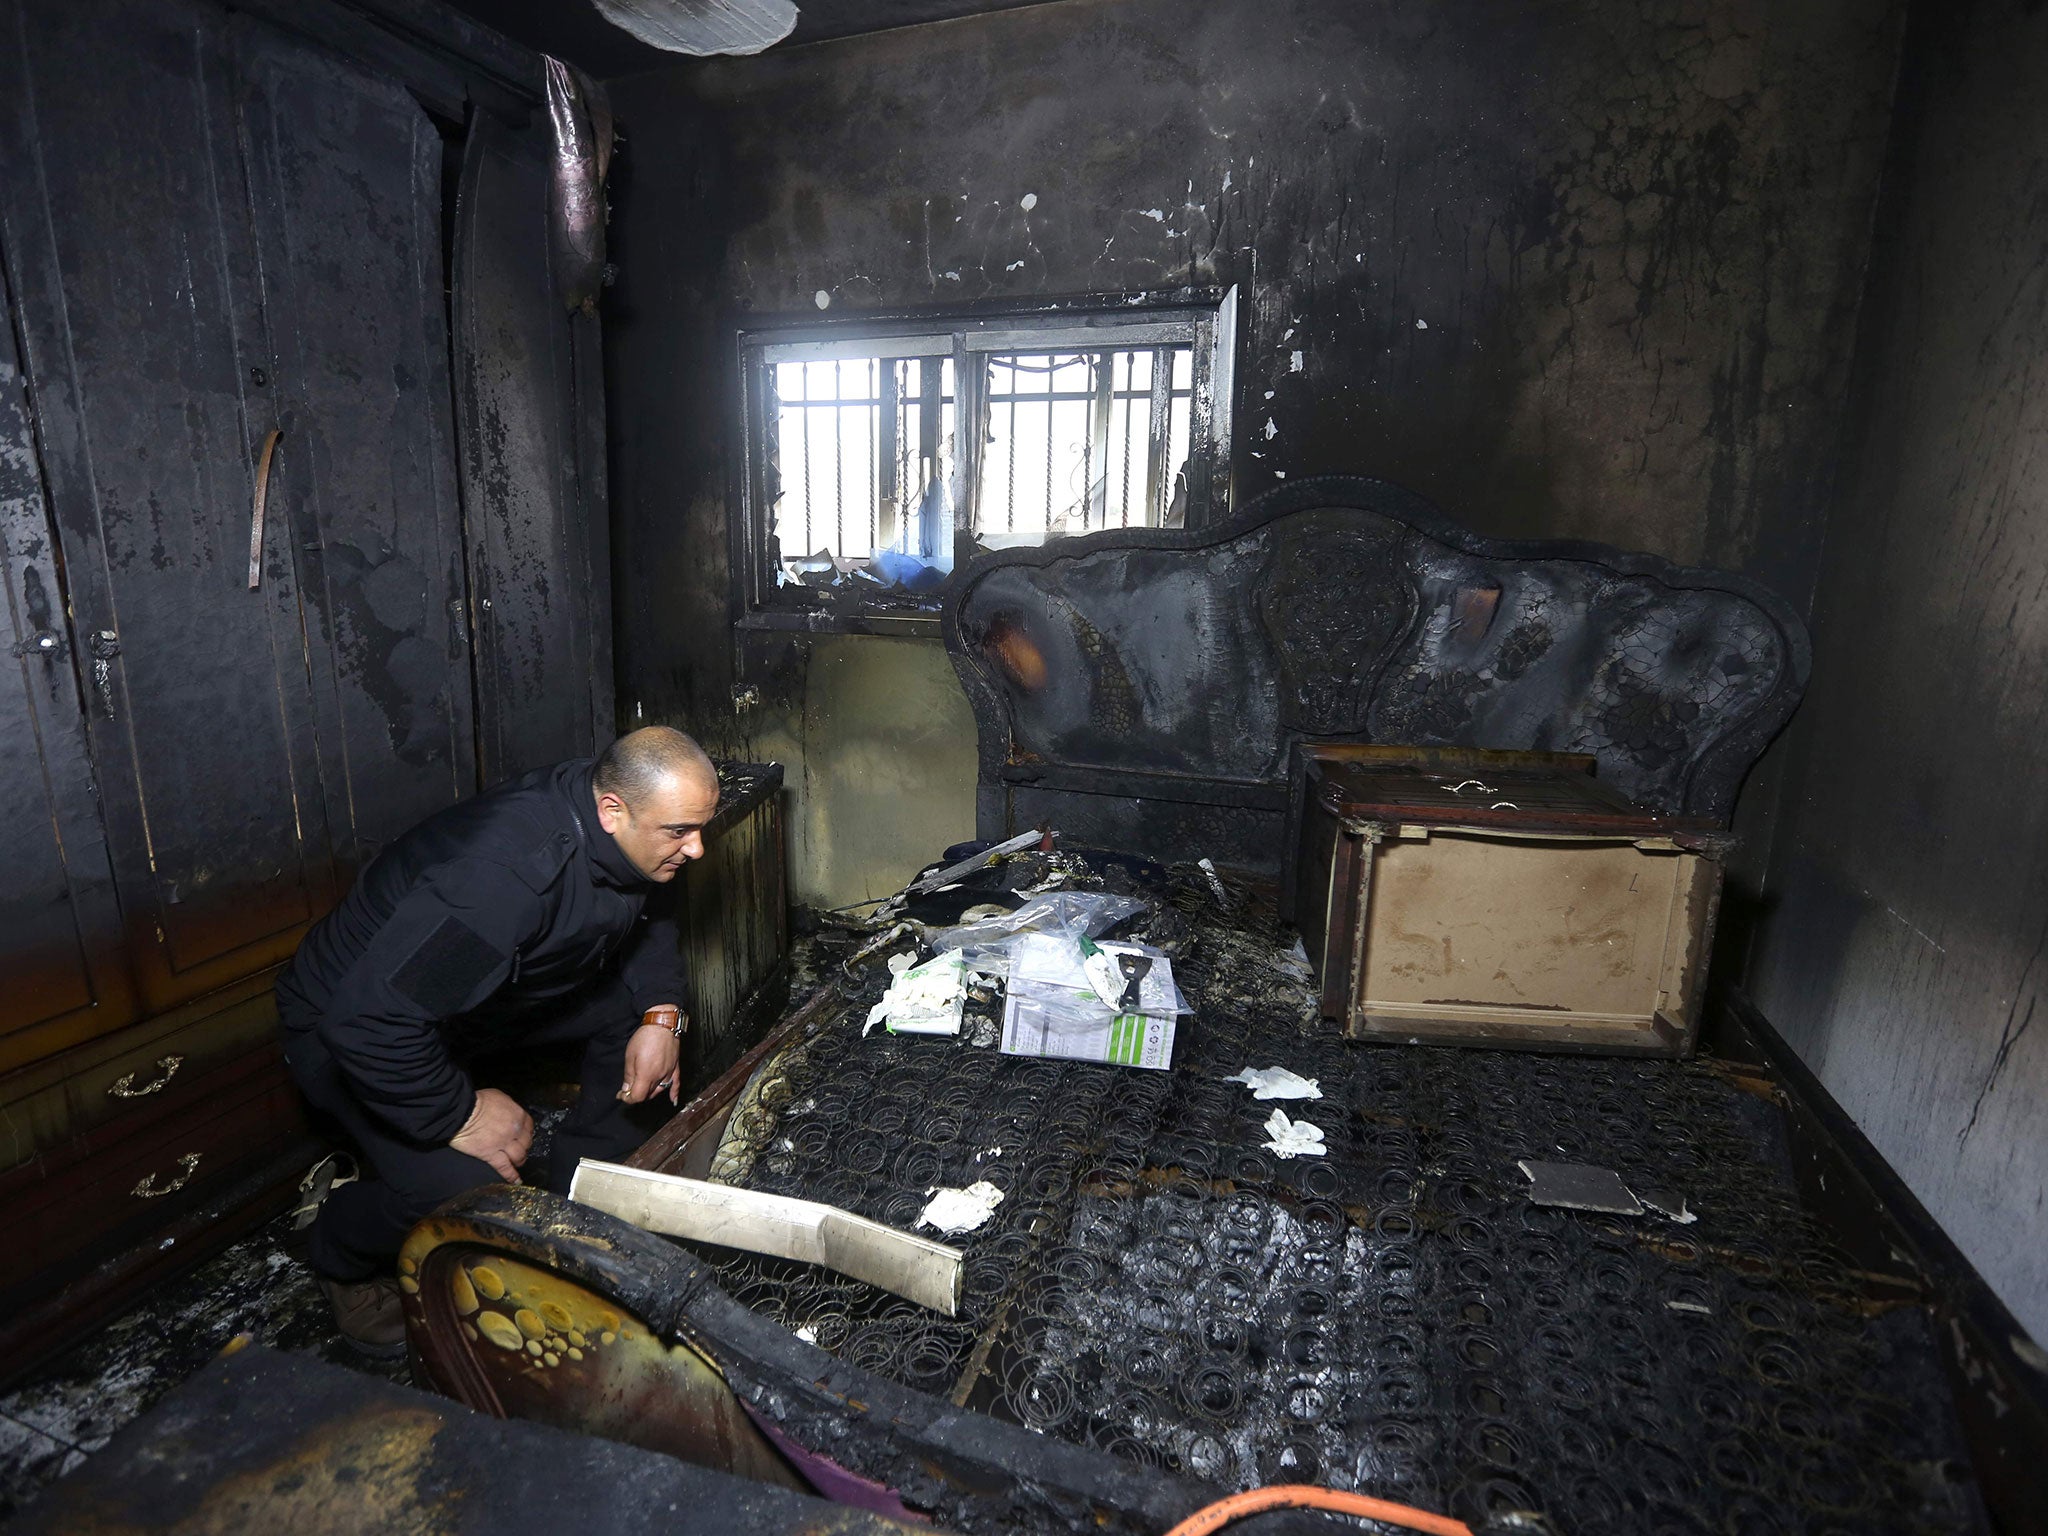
(256, 512)
(105, 645)
(124, 1087)
(147, 1189)
(44, 642)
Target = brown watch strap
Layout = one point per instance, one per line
(665, 1016)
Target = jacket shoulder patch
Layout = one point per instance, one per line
(446, 969)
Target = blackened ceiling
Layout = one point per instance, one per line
(573, 30)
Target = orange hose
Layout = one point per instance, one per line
(1306, 1496)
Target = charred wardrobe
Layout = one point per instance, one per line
(301, 507)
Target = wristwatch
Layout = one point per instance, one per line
(666, 1016)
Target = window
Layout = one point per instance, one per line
(862, 491)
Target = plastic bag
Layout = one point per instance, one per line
(987, 945)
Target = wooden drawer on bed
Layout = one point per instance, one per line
(1506, 900)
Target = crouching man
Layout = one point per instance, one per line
(514, 920)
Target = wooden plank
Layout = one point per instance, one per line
(807, 1230)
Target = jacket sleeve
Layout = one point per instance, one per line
(653, 966)
(445, 949)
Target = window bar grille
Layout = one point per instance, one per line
(905, 449)
(873, 412)
(1010, 517)
(1157, 492)
(1095, 460)
(1130, 395)
(909, 479)
(803, 416)
(772, 477)
(931, 379)
(1180, 425)
(899, 440)
(1086, 500)
(1051, 372)
(838, 470)
(888, 450)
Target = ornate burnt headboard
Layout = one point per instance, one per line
(1144, 689)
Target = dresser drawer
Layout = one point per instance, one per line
(46, 1105)
(134, 1176)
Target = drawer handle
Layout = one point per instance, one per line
(124, 1087)
(147, 1189)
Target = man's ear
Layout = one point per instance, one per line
(611, 812)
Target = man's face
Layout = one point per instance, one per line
(666, 829)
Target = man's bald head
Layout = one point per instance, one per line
(635, 766)
(655, 789)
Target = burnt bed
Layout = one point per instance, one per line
(1160, 1310)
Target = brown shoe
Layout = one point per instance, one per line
(368, 1314)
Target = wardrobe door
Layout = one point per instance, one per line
(345, 177)
(530, 420)
(125, 220)
(60, 929)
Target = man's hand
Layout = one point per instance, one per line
(651, 1057)
(497, 1132)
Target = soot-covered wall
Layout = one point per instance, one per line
(1583, 269)
(1907, 953)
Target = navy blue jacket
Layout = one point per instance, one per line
(479, 912)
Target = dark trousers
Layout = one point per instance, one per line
(361, 1224)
